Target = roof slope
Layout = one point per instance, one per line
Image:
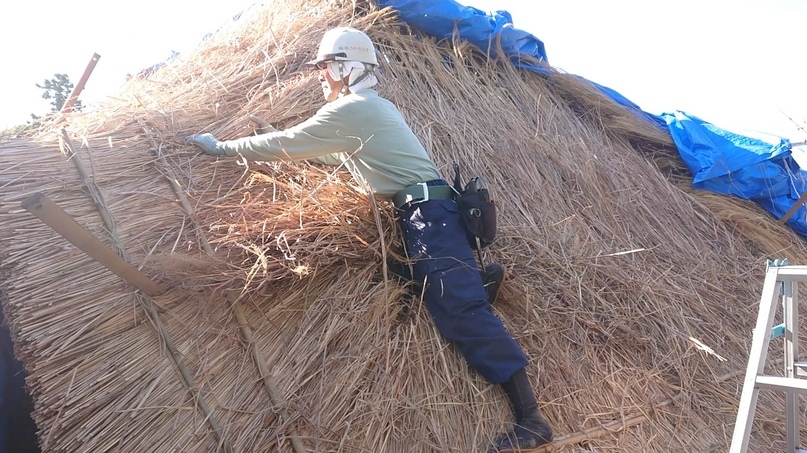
(278, 327)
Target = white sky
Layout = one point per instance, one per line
(736, 63)
(41, 38)
(739, 64)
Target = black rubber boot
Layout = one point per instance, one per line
(531, 429)
(492, 278)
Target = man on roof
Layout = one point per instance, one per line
(366, 133)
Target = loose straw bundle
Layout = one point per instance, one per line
(282, 328)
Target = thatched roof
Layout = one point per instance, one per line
(280, 326)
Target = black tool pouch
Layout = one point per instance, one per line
(478, 210)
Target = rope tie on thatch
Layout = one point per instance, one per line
(147, 301)
(274, 394)
(95, 191)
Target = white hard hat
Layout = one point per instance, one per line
(345, 44)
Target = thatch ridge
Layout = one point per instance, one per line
(615, 266)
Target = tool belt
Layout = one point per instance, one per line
(421, 192)
(478, 211)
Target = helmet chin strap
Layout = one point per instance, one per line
(345, 90)
(342, 74)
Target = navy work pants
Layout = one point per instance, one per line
(454, 293)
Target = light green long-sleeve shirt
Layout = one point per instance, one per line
(362, 130)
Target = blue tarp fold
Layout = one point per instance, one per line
(439, 18)
(760, 169)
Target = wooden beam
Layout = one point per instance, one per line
(71, 100)
(49, 212)
(793, 209)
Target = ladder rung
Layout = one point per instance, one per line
(782, 383)
(777, 331)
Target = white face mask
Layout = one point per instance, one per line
(331, 84)
(353, 70)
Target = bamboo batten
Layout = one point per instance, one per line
(632, 294)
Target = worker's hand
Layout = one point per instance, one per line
(208, 142)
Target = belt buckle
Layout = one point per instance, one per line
(425, 193)
(411, 199)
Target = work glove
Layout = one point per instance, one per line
(207, 142)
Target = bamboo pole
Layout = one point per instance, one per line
(274, 394)
(266, 376)
(50, 213)
(149, 303)
(172, 180)
(190, 384)
(95, 191)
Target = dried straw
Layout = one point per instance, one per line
(618, 271)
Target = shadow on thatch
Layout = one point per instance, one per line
(279, 326)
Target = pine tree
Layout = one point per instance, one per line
(58, 89)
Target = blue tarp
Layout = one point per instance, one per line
(438, 19)
(760, 169)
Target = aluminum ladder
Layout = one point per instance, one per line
(780, 285)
